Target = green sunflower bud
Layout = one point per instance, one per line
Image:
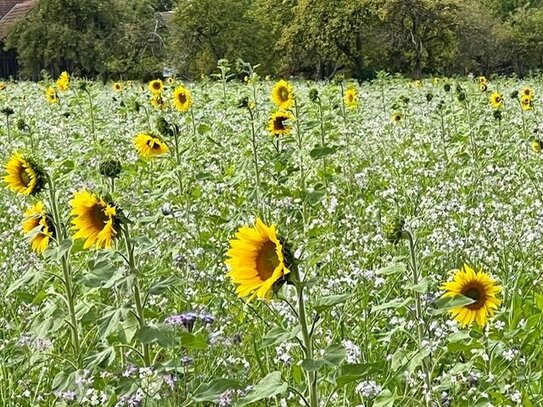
(447, 87)
(429, 96)
(243, 102)
(514, 94)
(393, 230)
(313, 95)
(497, 114)
(110, 168)
(8, 111)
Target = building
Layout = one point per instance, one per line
(11, 11)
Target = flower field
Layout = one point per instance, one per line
(264, 242)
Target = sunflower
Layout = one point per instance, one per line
(278, 123)
(282, 94)
(170, 80)
(478, 286)
(526, 91)
(38, 226)
(23, 176)
(117, 86)
(63, 81)
(51, 95)
(483, 87)
(537, 145)
(2, 86)
(256, 260)
(94, 220)
(482, 80)
(526, 102)
(182, 99)
(496, 100)
(418, 83)
(156, 86)
(149, 145)
(396, 117)
(350, 98)
(158, 101)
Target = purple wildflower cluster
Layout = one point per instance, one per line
(188, 319)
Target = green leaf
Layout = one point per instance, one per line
(396, 303)
(324, 303)
(392, 269)
(162, 284)
(322, 151)
(421, 287)
(191, 341)
(203, 128)
(268, 387)
(312, 365)
(212, 390)
(444, 304)
(384, 399)
(107, 355)
(279, 335)
(349, 373)
(334, 354)
(162, 335)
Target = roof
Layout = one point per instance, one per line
(6, 6)
(16, 13)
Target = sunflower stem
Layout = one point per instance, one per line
(301, 160)
(193, 122)
(419, 317)
(91, 110)
(66, 270)
(137, 295)
(255, 159)
(308, 340)
(8, 129)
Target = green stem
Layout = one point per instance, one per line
(308, 346)
(66, 270)
(9, 132)
(193, 122)
(324, 164)
(91, 108)
(255, 159)
(419, 317)
(137, 295)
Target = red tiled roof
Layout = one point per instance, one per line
(18, 11)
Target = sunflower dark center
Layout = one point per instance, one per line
(156, 85)
(283, 93)
(266, 261)
(98, 217)
(153, 144)
(476, 292)
(278, 123)
(182, 98)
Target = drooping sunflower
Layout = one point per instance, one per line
(182, 99)
(158, 101)
(537, 145)
(496, 100)
(156, 86)
(279, 123)
(257, 260)
(38, 226)
(350, 98)
(149, 145)
(94, 220)
(117, 86)
(526, 91)
(526, 102)
(2, 86)
(23, 176)
(63, 81)
(51, 95)
(481, 288)
(282, 94)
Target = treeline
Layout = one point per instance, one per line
(311, 38)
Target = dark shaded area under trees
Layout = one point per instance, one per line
(310, 38)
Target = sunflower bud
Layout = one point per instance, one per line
(21, 125)
(404, 99)
(497, 114)
(393, 230)
(243, 103)
(461, 96)
(339, 78)
(429, 96)
(314, 95)
(82, 86)
(8, 111)
(514, 94)
(447, 87)
(110, 168)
